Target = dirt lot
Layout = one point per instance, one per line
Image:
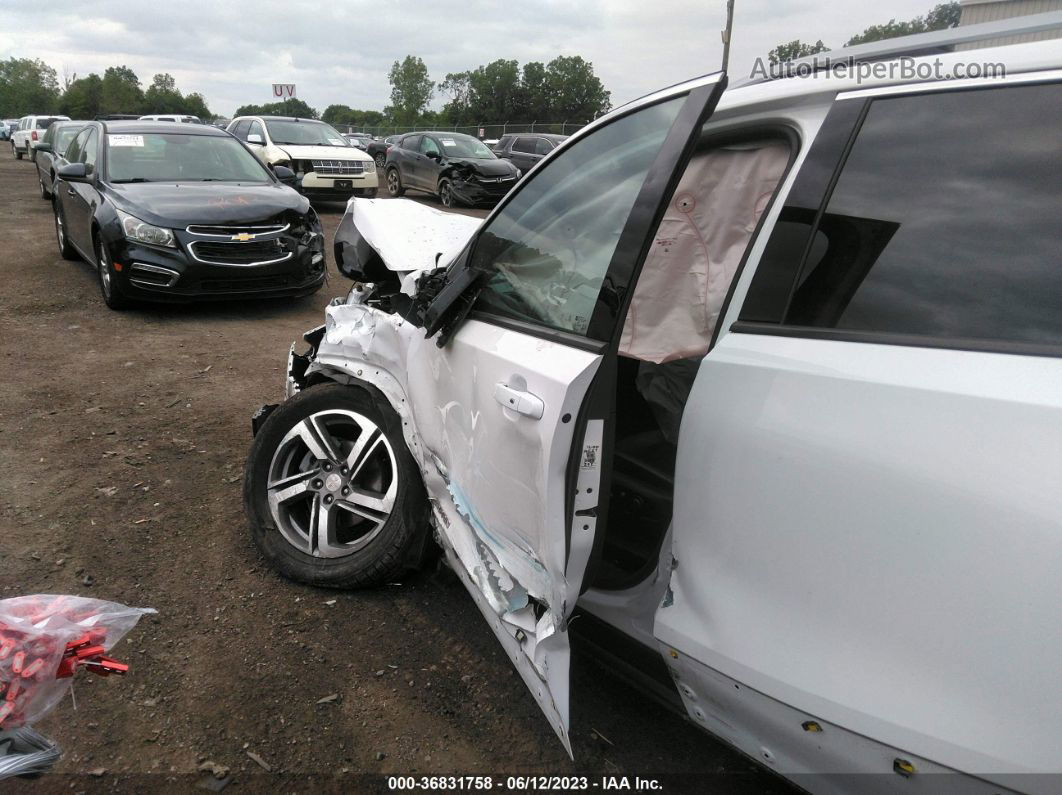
(122, 440)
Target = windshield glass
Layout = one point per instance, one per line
(63, 137)
(304, 133)
(465, 146)
(176, 157)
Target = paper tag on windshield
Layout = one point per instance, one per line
(449, 142)
(126, 140)
(336, 142)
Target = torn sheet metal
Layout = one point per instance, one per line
(495, 477)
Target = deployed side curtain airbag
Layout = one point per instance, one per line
(697, 249)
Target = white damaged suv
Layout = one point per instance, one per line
(766, 383)
(326, 165)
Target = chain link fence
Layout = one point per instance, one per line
(482, 131)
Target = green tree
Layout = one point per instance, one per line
(289, 107)
(458, 88)
(27, 85)
(794, 49)
(162, 96)
(82, 97)
(195, 105)
(945, 15)
(535, 92)
(495, 92)
(575, 93)
(411, 90)
(121, 92)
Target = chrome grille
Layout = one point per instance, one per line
(207, 230)
(333, 167)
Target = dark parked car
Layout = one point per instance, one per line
(526, 149)
(378, 150)
(360, 140)
(50, 151)
(169, 212)
(457, 168)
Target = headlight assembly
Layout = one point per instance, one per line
(143, 232)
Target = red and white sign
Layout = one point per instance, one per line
(284, 90)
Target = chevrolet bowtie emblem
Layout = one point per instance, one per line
(243, 237)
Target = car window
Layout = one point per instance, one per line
(548, 249)
(89, 151)
(934, 233)
(63, 137)
(241, 128)
(256, 129)
(428, 146)
(524, 145)
(303, 132)
(73, 152)
(411, 142)
(543, 146)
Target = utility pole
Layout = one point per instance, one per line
(726, 34)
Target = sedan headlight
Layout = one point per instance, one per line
(143, 232)
(370, 167)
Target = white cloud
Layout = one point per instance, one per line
(341, 52)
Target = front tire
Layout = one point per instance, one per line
(446, 193)
(66, 251)
(394, 183)
(331, 492)
(14, 149)
(44, 191)
(105, 273)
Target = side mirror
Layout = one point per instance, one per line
(285, 175)
(434, 156)
(73, 172)
(44, 147)
(255, 138)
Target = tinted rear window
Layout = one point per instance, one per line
(944, 222)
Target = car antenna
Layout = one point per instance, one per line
(726, 34)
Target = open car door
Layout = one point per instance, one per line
(516, 419)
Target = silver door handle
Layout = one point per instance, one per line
(519, 401)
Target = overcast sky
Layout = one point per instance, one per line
(340, 52)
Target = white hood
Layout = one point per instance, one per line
(410, 237)
(323, 152)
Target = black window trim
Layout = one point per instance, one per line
(968, 344)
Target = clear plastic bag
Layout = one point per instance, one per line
(34, 634)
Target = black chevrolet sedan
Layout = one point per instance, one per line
(186, 212)
(457, 168)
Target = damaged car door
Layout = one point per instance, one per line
(515, 409)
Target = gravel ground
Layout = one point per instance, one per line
(122, 441)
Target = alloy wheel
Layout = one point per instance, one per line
(105, 271)
(60, 233)
(332, 483)
(446, 195)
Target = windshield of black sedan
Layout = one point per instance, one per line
(465, 146)
(176, 157)
(304, 133)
